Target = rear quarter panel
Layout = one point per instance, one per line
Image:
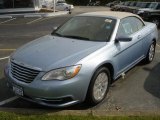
(151, 32)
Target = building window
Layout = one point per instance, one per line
(16, 4)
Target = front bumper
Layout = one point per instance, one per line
(51, 93)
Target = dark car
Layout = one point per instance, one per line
(117, 7)
(142, 5)
(1, 4)
(130, 6)
(111, 4)
(139, 5)
(123, 7)
(151, 14)
(97, 3)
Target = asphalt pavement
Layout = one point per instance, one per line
(138, 91)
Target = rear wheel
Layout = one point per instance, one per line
(151, 52)
(99, 86)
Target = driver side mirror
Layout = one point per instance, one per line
(55, 28)
(123, 39)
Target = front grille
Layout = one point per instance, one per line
(23, 73)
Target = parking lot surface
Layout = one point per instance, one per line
(138, 91)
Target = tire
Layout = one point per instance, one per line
(98, 87)
(151, 53)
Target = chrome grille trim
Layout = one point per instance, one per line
(23, 73)
(22, 79)
(22, 68)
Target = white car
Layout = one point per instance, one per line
(63, 6)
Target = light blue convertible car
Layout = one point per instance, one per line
(81, 58)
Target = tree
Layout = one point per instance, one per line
(78, 2)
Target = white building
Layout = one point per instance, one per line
(24, 5)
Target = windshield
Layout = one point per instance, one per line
(153, 5)
(145, 5)
(126, 3)
(138, 4)
(87, 28)
(122, 3)
(132, 4)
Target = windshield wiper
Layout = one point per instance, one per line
(76, 37)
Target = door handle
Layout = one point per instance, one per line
(139, 37)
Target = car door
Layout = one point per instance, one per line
(59, 6)
(131, 52)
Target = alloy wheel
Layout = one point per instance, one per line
(100, 86)
(151, 52)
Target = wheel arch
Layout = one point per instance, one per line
(107, 65)
(110, 68)
(154, 40)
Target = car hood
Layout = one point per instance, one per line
(145, 9)
(50, 52)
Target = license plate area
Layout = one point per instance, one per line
(18, 90)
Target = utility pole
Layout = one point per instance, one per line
(54, 5)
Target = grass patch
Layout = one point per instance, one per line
(13, 116)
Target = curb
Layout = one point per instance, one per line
(52, 112)
(5, 16)
(27, 15)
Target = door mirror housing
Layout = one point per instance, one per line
(123, 39)
(54, 29)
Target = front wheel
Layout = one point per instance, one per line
(99, 86)
(151, 53)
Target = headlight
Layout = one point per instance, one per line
(139, 12)
(62, 73)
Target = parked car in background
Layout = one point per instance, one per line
(111, 4)
(153, 6)
(90, 4)
(151, 14)
(61, 1)
(117, 7)
(97, 3)
(1, 4)
(62, 6)
(124, 6)
(80, 59)
(149, 11)
(143, 5)
(130, 6)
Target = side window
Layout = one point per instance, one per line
(126, 27)
(138, 22)
(129, 26)
(57, 4)
(158, 7)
